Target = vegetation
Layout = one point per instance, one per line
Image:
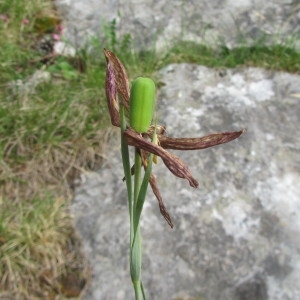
(48, 133)
(51, 131)
(276, 57)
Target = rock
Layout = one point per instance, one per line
(27, 86)
(236, 236)
(159, 23)
(64, 49)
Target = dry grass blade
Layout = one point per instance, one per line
(33, 241)
(49, 239)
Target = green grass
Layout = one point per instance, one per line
(48, 136)
(58, 123)
(275, 57)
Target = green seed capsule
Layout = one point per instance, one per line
(142, 101)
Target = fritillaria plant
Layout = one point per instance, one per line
(149, 140)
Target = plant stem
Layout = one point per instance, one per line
(135, 201)
(136, 249)
(140, 189)
(127, 169)
(137, 177)
(138, 291)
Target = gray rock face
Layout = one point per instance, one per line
(236, 237)
(153, 22)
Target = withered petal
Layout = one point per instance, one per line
(121, 79)
(162, 207)
(198, 143)
(173, 163)
(153, 184)
(145, 155)
(111, 95)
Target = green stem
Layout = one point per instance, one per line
(135, 235)
(138, 290)
(137, 177)
(136, 248)
(127, 169)
(136, 259)
(135, 201)
(140, 189)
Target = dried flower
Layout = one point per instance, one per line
(117, 85)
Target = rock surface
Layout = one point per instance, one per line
(151, 22)
(236, 237)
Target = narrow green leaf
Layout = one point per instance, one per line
(142, 194)
(136, 257)
(143, 292)
(126, 164)
(143, 190)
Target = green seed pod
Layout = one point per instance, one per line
(142, 101)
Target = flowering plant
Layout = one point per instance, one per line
(149, 140)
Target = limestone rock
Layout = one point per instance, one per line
(237, 235)
(152, 22)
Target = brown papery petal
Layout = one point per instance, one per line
(111, 95)
(121, 78)
(198, 143)
(173, 163)
(162, 207)
(153, 184)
